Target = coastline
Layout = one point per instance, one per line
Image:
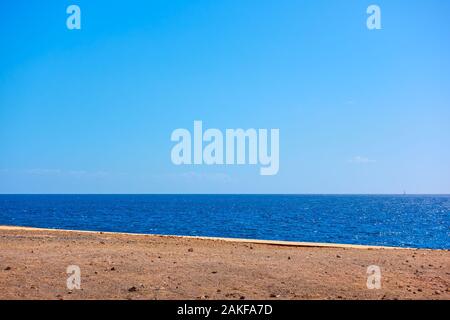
(237, 240)
(33, 264)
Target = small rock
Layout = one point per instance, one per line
(241, 297)
(338, 256)
(8, 268)
(112, 269)
(132, 289)
(214, 272)
(190, 250)
(273, 295)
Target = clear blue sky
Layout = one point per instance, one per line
(92, 110)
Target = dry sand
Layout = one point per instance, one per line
(33, 265)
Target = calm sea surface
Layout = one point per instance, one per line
(416, 221)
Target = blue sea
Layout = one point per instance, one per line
(406, 221)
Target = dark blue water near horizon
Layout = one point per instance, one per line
(406, 221)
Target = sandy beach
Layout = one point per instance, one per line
(33, 265)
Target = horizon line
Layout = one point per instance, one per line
(237, 194)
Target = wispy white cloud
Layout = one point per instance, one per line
(212, 177)
(42, 172)
(361, 160)
(350, 102)
(56, 172)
